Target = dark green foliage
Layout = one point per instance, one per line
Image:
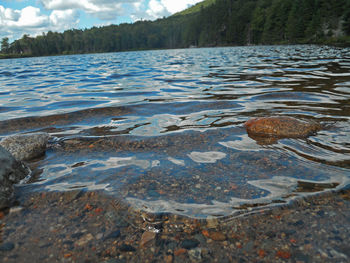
(5, 45)
(346, 22)
(213, 23)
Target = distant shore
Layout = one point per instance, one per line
(341, 43)
(8, 56)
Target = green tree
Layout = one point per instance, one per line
(295, 23)
(314, 30)
(276, 21)
(5, 45)
(346, 21)
(26, 44)
(257, 25)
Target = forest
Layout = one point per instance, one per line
(207, 24)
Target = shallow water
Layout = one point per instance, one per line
(163, 130)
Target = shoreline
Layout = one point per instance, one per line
(336, 44)
(79, 226)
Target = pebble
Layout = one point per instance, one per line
(77, 235)
(246, 239)
(84, 240)
(189, 243)
(301, 257)
(179, 251)
(99, 236)
(195, 253)
(217, 236)
(126, 248)
(200, 238)
(147, 237)
(15, 209)
(8, 246)
(212, 222)
(168, 259)
(113, 235)
(171, 245)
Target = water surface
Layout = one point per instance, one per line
(163, 130)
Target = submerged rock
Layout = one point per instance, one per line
(282, 127)
(13, 150)
(11, 172)
(26, 146)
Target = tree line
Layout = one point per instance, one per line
(221, 23)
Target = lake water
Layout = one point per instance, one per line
(163, 130)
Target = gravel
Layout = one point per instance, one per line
(53, 227)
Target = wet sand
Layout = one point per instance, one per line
(81, 226)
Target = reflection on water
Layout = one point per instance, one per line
(206, 157)
(281, 190)
(242, 143)
(163, 130)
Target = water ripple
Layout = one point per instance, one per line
(165, 128)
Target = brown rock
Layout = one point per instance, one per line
(205, 233)
(283, 127)
(180, 251)
(168, 259)
(217, 236)
(146, 238)
(283, 254)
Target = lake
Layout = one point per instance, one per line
(163, 130)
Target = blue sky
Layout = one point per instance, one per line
(33, 17)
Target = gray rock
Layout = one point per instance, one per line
(26, 146)
(195, 254)
(126, 248)
(189, 243)
(113, 235)
(11, 172)
(8, 246)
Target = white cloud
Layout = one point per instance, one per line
(61, 4)
(139, 11)
(63, 19)
(27, 17)
(64, 14)
(178, 5)
(103, 9)
(31, 17)
(30, 20)
(10, 13)
(110, 9)
(160, 8)
(156, 9)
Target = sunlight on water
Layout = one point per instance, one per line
(206, 157)
(163, 130)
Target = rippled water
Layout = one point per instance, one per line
(163, 130)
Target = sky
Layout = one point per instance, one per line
(33, 17)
